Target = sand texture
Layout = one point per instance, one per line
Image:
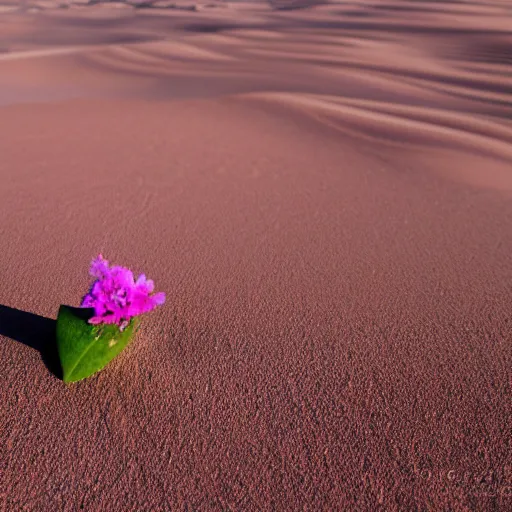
(323, 191)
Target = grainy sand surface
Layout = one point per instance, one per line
(324, 193)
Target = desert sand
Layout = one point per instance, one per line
(324, 192)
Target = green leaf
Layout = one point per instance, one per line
(85, 349)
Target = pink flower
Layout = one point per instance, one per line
(116, 297)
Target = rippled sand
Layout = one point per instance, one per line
(325, 194)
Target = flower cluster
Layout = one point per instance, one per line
(116, 296)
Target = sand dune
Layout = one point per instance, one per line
(324, 191)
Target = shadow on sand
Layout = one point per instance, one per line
(34, 331)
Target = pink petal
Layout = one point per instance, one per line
(99, 267)
(144, 284)
(158, 298)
